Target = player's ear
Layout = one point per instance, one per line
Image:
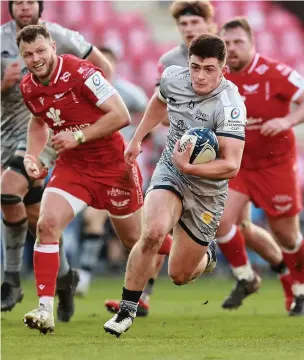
(54, 46)
(224, 70)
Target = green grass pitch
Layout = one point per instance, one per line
(180, 326)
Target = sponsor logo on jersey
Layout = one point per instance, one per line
(118, 192)
(296, 79)
(54, 114)
(98, 85)
(172, 102)
(170, 75)
(235, 113)
(284, 69)
(182, 125)
(140, 198)
(41, 99)
(262, 69)
(251, 89)
(234, 119)
(59, 96)
(191, 105)
(199, 116)
(281, 198)
(66, 76)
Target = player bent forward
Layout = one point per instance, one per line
(188, 198)
(71, 96)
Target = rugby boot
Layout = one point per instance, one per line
(10, 296)
(41, 319)
(66, 288)
(121, 322)
(297, 307)
(242, 289)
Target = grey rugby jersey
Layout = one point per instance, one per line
(222, 111)
(14, 114)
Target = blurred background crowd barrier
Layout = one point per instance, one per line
(139, 32)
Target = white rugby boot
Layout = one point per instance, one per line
(121, 322)
(41, 319)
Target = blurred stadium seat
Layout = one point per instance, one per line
(279, 34)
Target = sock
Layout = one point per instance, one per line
(166, 246)
(148, 290)
(47, 301)
(64, 267)
(233, 247)
(91, 247)
(130, 298)
(294, 260)
(14, 237)
(46, 266)
(280, 269)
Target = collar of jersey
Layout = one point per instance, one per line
(55, 76)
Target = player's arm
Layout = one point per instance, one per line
(115, 117)
(37, 138)
(290, 88)
(226, 167)
(99, 60)
(155, 111)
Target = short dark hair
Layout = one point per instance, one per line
(29, 34)
(241, 22)
(207, 46)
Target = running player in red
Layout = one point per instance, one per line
(268, 175)
(72, 97)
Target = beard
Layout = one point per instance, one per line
(49, 69)
(21, 24)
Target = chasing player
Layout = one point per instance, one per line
(268, 174)
(20, 195)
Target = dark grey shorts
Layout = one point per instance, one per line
(201, 214)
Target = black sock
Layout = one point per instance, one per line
(131, 295)
(280, 268)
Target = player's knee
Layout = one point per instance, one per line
(179, 278)
(286, 238)
(47, 228)
(152, 240)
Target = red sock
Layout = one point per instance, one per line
(233, 247)
(166, 246)
(46, 266)
(294, 260)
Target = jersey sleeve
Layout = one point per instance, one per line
(95, 87)
(290, 84)
(230, 121)
(71, 42)
(160, 69)
(24, 86)
(163, 86)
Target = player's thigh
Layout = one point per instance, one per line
(33, 212)
(162, 210)
(235, 205)
(57, 210)
(185, 254)
(286, 230)
(128, 228)
(94, 220)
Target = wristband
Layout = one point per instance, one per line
(79, 137)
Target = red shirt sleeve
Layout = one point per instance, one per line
(25, 88)
(289, 83)
(94, 85)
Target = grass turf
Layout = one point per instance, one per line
(180, 326)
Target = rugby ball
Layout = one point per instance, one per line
(204, 142)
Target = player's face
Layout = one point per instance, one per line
(39, 57)
(25, 13)
(190, 26)
(206, 74)
(240, 49)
